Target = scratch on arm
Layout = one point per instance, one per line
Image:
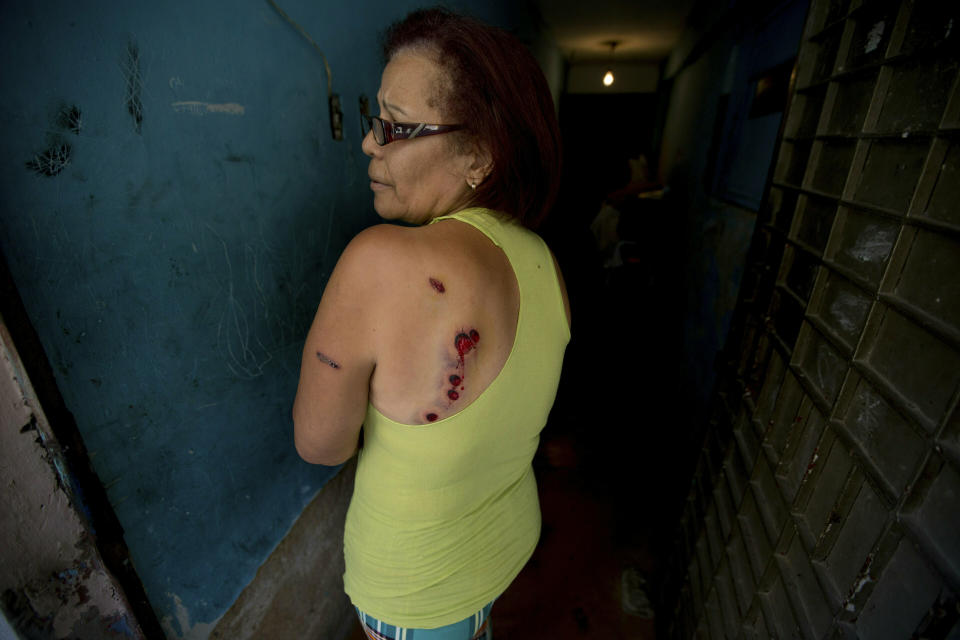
(324, 359)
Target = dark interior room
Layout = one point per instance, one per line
(756, 432)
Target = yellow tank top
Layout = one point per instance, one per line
(445, 515)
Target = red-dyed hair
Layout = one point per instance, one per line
(496, 88)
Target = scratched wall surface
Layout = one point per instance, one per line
(171, 204)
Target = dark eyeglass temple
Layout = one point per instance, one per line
(416, 132)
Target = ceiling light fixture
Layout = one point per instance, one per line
(608, 76)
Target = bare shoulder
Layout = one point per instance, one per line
(377, 273)
(380, 235)
(385, 257)
(362, 288)
(374, 264)
(375, 250)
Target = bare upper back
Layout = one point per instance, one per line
(446, 320)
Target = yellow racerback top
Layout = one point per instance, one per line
(445, 515)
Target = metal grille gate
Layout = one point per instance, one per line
(826, 499)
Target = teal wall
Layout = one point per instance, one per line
(172, 264)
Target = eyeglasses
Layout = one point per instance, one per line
(385, 132)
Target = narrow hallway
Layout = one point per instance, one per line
(573, 585)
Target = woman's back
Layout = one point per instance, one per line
(433, 499)
(449, 281)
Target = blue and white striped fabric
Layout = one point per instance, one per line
(476, 627)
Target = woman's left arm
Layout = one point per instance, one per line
(339, 355)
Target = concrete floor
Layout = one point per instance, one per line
(571, 588)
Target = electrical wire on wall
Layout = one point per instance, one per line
(336, 114)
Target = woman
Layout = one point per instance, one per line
(444, 340)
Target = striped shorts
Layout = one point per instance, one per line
(476, 627)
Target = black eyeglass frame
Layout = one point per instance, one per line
(385, 132)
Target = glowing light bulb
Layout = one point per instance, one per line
(608, 79)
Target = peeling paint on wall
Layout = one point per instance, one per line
(874, 37)
(53, 583)
(180, 627)
(200, 108)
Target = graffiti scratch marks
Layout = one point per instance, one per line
(56, 156)
(52, 161)
(244, 352)
(70, 119)
(131, 71)
(201, 108)
(258, 306)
